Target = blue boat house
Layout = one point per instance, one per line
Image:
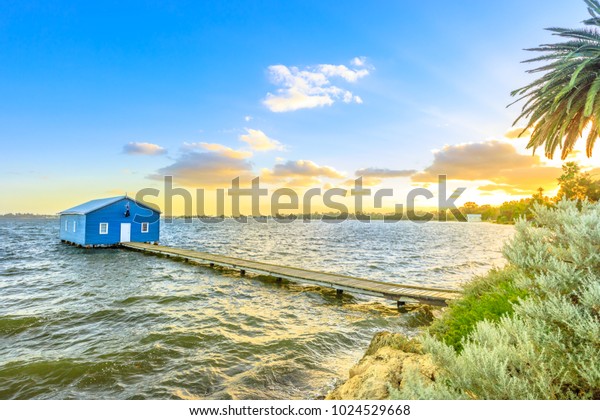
(109, 221)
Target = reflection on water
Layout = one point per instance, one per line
(110, 323)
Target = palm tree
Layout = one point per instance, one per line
(564, 102)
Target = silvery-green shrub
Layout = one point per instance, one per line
(549, 348)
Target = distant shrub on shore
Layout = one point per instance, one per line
(546, 346)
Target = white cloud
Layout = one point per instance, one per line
(342, 71)
(221, 149)
(311, 87)
(299, 173)
(259, 141)
(358, 61)
(207, 165)
(293, 100)
(248, 118)
(133, 148)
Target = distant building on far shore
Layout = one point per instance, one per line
(109, 221)
(473, 217)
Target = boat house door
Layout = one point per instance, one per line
(125, 232)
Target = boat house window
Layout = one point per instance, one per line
(145, 227)
(74, 226)
(103, 228)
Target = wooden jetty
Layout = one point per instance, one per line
(397, 292)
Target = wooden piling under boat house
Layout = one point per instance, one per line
(108, 222)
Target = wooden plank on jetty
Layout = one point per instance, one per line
(401, 293)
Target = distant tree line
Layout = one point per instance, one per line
(574, 185)
(26, 216)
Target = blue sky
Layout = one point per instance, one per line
(81, 81)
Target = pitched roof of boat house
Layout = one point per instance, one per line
(109, 221)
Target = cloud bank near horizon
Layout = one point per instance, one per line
(491, 166)
(496, 162)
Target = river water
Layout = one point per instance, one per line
(111, 323)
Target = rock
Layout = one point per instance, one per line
(388, 355)
(421, 316)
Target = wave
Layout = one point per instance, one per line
(15, 325)
(67, 378)
(132, 300)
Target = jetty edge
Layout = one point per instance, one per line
(400, 293)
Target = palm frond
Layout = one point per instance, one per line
(591, 97)
(563, 102)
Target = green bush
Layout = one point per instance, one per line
(488, 297)
(549, 348)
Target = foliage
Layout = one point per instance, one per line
(488, 297)
(541, 199)
(564, 102)
(575, 185)
(549, 347)
(509, 211)
(487, 212)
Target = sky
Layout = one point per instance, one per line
(99, 99)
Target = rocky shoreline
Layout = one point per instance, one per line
(382, 366)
